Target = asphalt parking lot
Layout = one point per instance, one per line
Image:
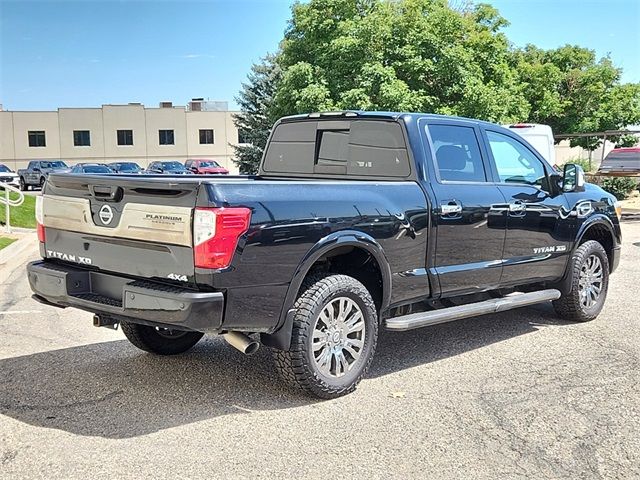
(513, 395)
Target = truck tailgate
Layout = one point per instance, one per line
(132, 225)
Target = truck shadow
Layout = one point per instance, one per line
(112, 390)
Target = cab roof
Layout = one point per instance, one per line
(351, 114)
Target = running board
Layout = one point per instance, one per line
(434, 317)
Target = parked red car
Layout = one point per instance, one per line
(621, 162)
(205, 167)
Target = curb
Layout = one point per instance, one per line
(17, 251)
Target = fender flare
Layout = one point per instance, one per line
(281, 336)
(599, 219)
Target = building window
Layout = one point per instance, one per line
(206, 137)
(242, 137)
(81, 138)
(37, 138)
(166, 137)
(125, 137)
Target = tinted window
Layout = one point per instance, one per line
(81, 138)
(341, 147)
(206, 137)
(165, 137)
(96, 169)
(4, 168)
(129, 167)
(125, 137)
(458, 157)
(514, 162)
(37, 138)
(173, 165)
(333, 147)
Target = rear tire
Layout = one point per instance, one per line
(589, 285)
(335, 331)
(161, 341)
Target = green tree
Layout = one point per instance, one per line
(256, 113)
(418, 55)
(569, 89)
(628, 140)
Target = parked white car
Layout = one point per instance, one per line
(539, 136)
(8, 176)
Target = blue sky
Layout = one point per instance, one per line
(87, 53)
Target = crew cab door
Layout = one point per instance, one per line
(469, 233)
(32, 175)
(537, 238)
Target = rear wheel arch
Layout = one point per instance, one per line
(336, 250)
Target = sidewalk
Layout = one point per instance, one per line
(19, 251)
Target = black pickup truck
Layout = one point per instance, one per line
(356, 221)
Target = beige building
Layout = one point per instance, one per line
(120, 132)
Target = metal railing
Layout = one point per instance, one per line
(10, 202)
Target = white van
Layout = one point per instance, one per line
(539, 136)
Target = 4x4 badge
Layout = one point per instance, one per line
(106, 214)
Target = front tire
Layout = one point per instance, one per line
(589, 285)
(23, 185)
(42, 180)
(161, 341)
(335, 331)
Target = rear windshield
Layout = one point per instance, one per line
(55, 164)
(358, 148)
(128, 167)
(96, 169)
(173, 165)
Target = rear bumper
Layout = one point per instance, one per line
(123, 298)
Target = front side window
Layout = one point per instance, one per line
(125, 137)
(166, 137)
(514, 162)
(206, 137)
(37, 138)
(81, 138)
(458, 157)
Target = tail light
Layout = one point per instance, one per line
(40, 218)
(215, 235)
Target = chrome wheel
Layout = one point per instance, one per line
(590, 281)
(338, 337)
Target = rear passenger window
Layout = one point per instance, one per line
(458, 157)
(357, 148)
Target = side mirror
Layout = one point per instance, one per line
(573, 179)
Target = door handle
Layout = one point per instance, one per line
(517, 207)
(451, 208)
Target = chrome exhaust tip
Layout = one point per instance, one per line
(241, 342)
